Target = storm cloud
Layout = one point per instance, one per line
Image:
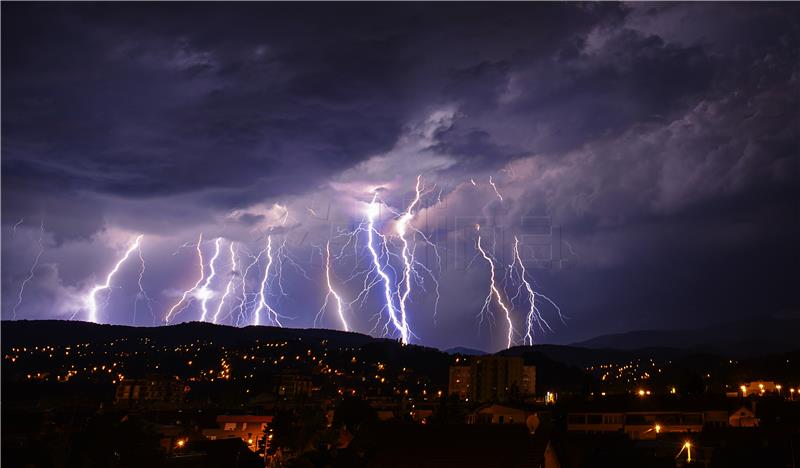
(646, 153)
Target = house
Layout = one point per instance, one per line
(648, 424)
(498, 414)
(247, 427)
(596, 422)
(760, 387)
(743, 417)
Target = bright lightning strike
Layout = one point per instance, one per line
(31, 272)
(262, 298)
(399, 322)
(493, 290)
(242, 307)
(408, 258)
(331, 291)
(174, 309)
(230, 283)
(142, 293)
(204, 293)
(91, 301)
(534, 316)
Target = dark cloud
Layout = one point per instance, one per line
(648, 132)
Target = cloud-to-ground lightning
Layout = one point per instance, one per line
(408, 259)
(494, 291)
(533, 316)
(393, 265)
(272, 315)
(91, 298)
(142, 294)
(332, 292)
(398, 322)
(232, 274)
(32, 270)
(242, 307)
(174, 309)
(204, 292)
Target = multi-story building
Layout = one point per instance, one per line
(493, 378)
(153, 390)
(293, 385)
(460, 379)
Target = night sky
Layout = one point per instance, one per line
(646, 155)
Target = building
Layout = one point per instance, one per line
(493, 413)
(596, 422)
(493, 378)
(152, 391)
(459, 383)
(743, 417)
(636, 424)
(247, 427)
(293, 385)
(760, 387)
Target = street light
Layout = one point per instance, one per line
(658, 428)
(744, 390)
(688, 447)
(779, 389)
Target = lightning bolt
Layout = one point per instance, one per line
(494, 291)
(408, 259)
(533, 316)
(241, 318)
(174, 309)
(491, 182)
(91, 301)
(399, 323)
(35, 264)
(262, 299)
(16, 225)
(331, 291)
(204, 293)
(230, 282)
(142, 293)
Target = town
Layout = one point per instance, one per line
(78, 394)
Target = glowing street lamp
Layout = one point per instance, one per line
(658, 428)
(744, 390)
(688, 447)
(779, 389)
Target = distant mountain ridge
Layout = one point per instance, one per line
(741, 339)
(465, 351)
(735, 339)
